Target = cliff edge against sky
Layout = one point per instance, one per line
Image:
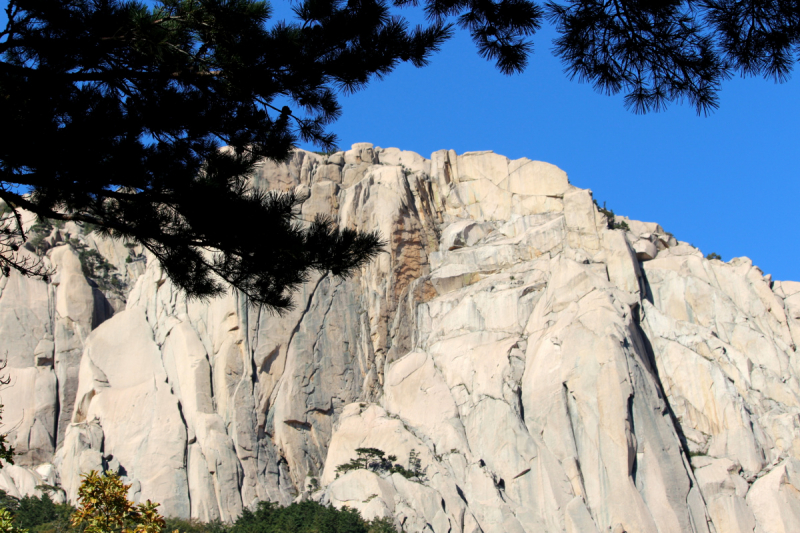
(552, 373)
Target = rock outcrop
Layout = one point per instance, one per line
(548, 372)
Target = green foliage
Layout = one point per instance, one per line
(195, 526)
(609, 214)
(37, 233)
(42, 515)
(12, 238)
(377, 461)
(666, 52)
(42, 225)
(113, 512)
(105, 508)
(415, 469)
(34, 511)
(621, 225)
(6, 451)
(37, 515)
(307, 517)
(370, 459)
(133, 100)
(713, 255)
(96, 267)
(381, 525)
(7, 524)
(8, 502)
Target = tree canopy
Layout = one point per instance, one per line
(104, 507)
(116, 112)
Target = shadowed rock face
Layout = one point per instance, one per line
(550, 374)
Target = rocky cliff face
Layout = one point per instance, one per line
(550, 373)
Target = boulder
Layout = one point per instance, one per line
(645, 249)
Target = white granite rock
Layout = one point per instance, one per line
(123, 387)
(724, 491)
(645, 249)
(19, 482)
(550, 374)
(774, 499)
(30, 404)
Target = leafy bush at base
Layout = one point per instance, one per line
(42, 515)
(38, 515)
(195, 526)
(307, 517)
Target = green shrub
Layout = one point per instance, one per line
(37, 233)
(7, 524)
(38, 515)
(42, 225)
(97, 268)
(42, 515)
(377, 461)
(610, 218)
(195, 526)
(609, 214)
(8, 502)
(381, 525)
(307, 517)
(621, 225)
(712, 255)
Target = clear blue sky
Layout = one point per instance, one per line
(728, 183)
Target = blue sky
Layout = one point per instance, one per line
(728, 183)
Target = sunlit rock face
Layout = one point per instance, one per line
(550, 373)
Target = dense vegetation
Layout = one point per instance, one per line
(42, 515)
(38, 515)
(103, 507)
(306, 517)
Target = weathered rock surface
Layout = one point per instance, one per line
(550, 373)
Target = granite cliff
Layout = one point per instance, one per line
(550, 372)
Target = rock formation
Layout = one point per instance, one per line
(550, 373)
